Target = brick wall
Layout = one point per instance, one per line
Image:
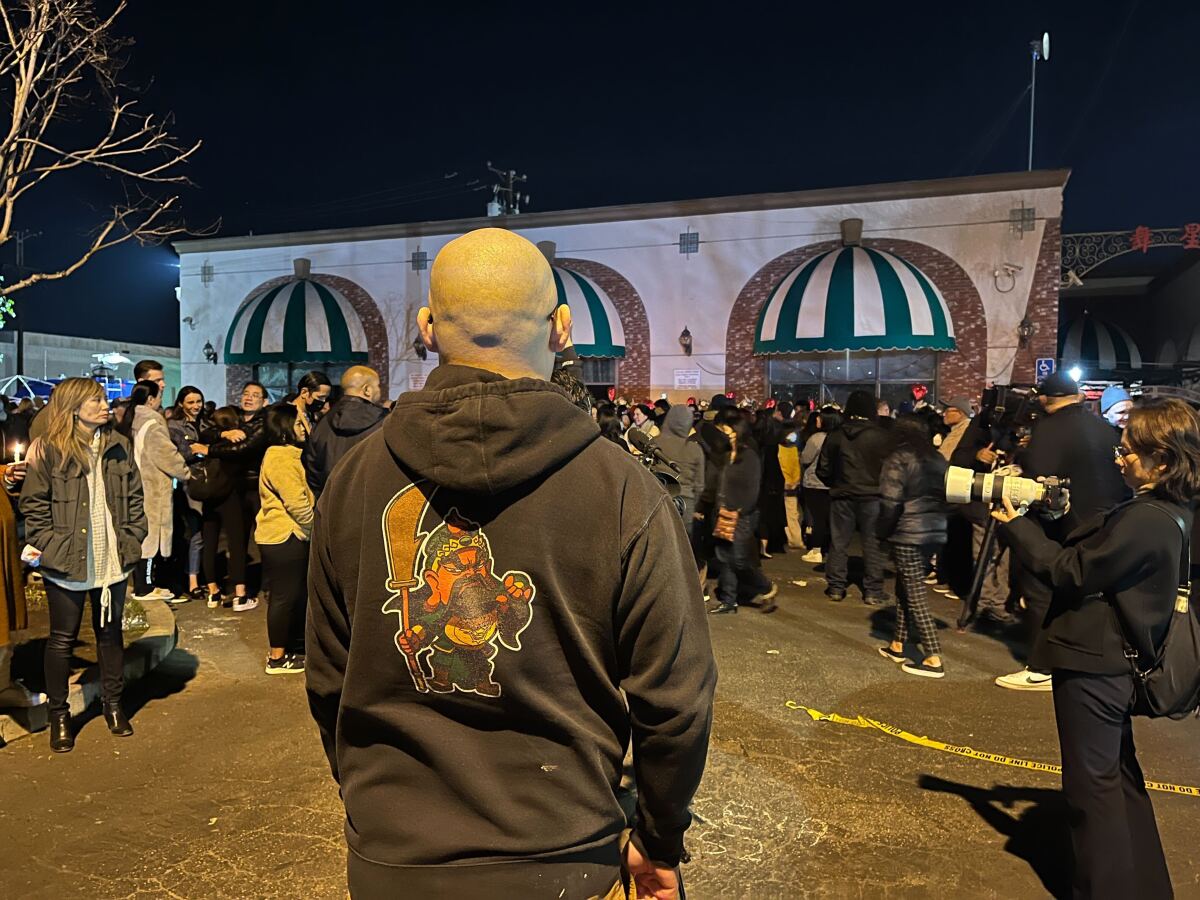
(960, 373)
(633, 372)
(1042, 310)
(368, 312)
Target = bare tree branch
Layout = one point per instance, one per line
(60, 66)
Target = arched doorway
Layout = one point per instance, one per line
(960, 371)
(292, 325)
(630, 371)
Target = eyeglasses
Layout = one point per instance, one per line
(1121, 451)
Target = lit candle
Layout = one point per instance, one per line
(17, 454)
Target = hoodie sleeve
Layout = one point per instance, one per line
(668, 674)
(327, 642)
(313, 458)
(825, 462)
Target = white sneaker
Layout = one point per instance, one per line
(1025, 680)
(163, 594)
(932, 579)
(812, 556)
(245, 604)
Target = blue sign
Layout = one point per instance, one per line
(1045, 368)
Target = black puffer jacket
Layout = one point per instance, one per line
(913, 508)
(350, 420)
(851, 460)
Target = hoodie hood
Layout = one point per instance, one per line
(475, 431)
(854, 427)
(678, 421)
(354, 415)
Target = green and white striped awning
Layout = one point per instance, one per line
(854, 298)
(597, 329)
(298, 321)
(1098, 344)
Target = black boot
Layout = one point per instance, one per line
(62, 737)
(114, 716)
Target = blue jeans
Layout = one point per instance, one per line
(848, 515)
(739, 575)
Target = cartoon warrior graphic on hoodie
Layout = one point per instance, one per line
(462, 613)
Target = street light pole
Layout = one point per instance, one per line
(1032, 96)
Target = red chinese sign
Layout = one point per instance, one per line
(1142, 238)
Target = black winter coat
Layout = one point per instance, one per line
(912, 509)
(350, 420)
(1078, 444)
(1128, 559)
(852, 458)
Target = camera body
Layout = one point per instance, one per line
(1008, 412)
(968, 486)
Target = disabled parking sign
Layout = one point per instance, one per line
(1045, 368)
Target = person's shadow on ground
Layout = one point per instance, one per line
(1038, 834)
(169, 677)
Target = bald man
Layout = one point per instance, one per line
(500, 603)
(353, 417)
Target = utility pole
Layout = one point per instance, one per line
(506, 199)
(21, 237)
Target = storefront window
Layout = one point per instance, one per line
(830, 377)
(280, 379)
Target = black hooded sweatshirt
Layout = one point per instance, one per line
(852, 458)
(528, 632)
(350, 420)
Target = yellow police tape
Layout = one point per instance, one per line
(864, 722)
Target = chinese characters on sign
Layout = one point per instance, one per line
(1143, 237)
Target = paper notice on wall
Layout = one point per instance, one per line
(416, 381)
(686, 379)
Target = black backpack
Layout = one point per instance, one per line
(1170, 687)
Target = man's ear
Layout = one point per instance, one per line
(560, 328)
(425, 328)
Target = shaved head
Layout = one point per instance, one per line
(493, 304)
(361, 381)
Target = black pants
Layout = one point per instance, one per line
(286, 566)
(143, 576)
(740, 577)
(66, 615)
(1113, 833)
(848, 516)
(225, 515)
(816, 511)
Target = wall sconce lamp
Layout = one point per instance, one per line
(685, 341)
(1025, 330)
(210, 352)
(419, 348)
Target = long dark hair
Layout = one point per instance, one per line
(281, 425)
(742, 430)
(143, 392)
(831, 419)
(610, 425)
(911, 432)
(184, 392)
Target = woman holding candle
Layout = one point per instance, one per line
(82, 501)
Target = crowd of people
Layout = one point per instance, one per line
(136, 497)
(602, 659)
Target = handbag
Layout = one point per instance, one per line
(726, 520)
(208, 480)
(1170, 686)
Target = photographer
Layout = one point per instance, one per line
(1070, 442)
(1121, 568)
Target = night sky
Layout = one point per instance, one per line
(318, 115)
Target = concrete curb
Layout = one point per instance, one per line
(140, 659)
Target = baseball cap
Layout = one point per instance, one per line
(1112, 396)
(1058, 384)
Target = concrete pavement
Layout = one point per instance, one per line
(224, 791)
